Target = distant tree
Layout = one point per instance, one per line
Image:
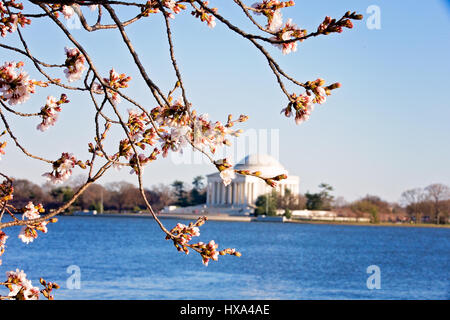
(26, 191)
(198, 192)
(313, 201)
(339, 202)
(438, 193)
(94, 198)
(412, 199)
(365, 206)
(287, 213)
(381, 205)
(322, 200)
(62, 194)
(181, 195)
(266, 204)
(287, 201)
(122, 195)
(164, 195)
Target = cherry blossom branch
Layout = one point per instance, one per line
(50, 215)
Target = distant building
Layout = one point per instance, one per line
(243, 191)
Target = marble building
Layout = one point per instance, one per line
(244, 190)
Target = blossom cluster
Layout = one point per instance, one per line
(75, 64)
(116, 81)
(153, 7)
(20, 287)
(272, 10)
(211, 135)
(141, 136)
(227, 173)
(2, 148)
(9, 21)
(48, 288)
(15, 85)
(177, 127)
(3, 238)
(287, 32)
(330, 25)
(62, 168)
(182, 234)
(49, 112)
(302, 105)
(204, 16)
(6, 191)
(29, 232)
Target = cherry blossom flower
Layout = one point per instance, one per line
(62, 168)
(3, 238)
(116, 81)
(211, 20)
(210, 252)
(74, 63)
(204, 16)
(10, 21)
(321, 95)
(16, 87)
(68, 11)
(276, 22)
(32, 211)
(289, 31)
(29, 232)
(302, 105)
(20, 287)
(227, 176)
(171, 4)
(176, 140)
(2, 148)
(50, 112)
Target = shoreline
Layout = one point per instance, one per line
(230, 218)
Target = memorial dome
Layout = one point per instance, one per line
(266, 164)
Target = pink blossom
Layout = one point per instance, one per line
(15, 87)
(27, 234)
(62, 168)
(321, 95)
(20, 284)
(2, 148)
(169, 4)
(31, 211)
(74, 63)
(276, 22)
(49, 114)
(211, 21)
(68, 11)
(3, 238)
(227, 176)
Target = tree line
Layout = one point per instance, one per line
(419, 205)
(118, 196)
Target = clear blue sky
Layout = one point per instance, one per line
(386, 130)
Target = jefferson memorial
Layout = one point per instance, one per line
(244, 190)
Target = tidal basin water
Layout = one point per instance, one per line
(128, 258)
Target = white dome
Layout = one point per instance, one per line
(266, 164)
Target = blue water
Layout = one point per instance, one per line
(128, 258)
